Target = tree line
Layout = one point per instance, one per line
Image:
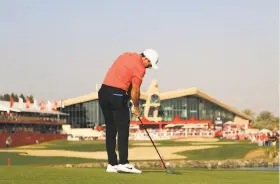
(7, 97)
(264, 119)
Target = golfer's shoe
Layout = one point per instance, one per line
(128, 168)
(112, 169)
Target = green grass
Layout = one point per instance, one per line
(38, 175)
(17, 159)
(230, 151)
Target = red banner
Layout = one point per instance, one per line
(11, 102)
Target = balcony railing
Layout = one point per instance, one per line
(29, 119)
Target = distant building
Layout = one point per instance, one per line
(190, 103)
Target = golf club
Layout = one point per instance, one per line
(168, 171)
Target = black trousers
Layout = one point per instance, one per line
(114, 105)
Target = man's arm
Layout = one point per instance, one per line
(135, 87)
(135, 95)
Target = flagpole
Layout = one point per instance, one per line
(60, 109)
(97, 110)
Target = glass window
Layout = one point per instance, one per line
(193, 104)
(202, 109)
(173, 107)
(89, 114)
(184, 109)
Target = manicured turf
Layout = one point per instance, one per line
(231, 151)
(37, 175)
(17, 159)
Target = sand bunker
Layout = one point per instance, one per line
(137, 153)
(213, 143)
(255, 154)
(197, 139)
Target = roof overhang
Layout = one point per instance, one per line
(197, 92)
(163, 96)
(88, 97)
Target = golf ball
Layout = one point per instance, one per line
(167, 164)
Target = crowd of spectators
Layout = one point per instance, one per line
(13, 116)
(14, 122)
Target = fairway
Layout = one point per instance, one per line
(30, 175)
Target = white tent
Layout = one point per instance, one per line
(3, 108)
(14, 109)
(6, 105)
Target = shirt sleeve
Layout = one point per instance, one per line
(138, 70)
(138, 77)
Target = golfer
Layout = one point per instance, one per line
(122, 82)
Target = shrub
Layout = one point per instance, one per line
(270, 152)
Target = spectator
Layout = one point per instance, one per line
(274, 139)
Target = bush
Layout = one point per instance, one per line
(271, 152)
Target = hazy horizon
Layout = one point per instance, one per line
(61, 49)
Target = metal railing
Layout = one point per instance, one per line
(29, 119)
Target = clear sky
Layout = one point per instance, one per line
(61, 48)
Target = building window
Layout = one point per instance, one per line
(174, 107)
(193, 105)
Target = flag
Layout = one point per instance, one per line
(49, 105)
(11, 102)
(35, 104)
(20, 102)
(61, 104)
(54, 106)
(27, 103)
(42, 105)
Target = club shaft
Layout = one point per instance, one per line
(153, 143)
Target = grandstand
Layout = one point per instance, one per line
(29, 123)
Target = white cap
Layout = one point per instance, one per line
(152, 56)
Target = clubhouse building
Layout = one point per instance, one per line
(174, 107)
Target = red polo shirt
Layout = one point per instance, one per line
(126, 69)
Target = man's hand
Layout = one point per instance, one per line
(136, 111)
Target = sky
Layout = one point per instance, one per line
(62, 49)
